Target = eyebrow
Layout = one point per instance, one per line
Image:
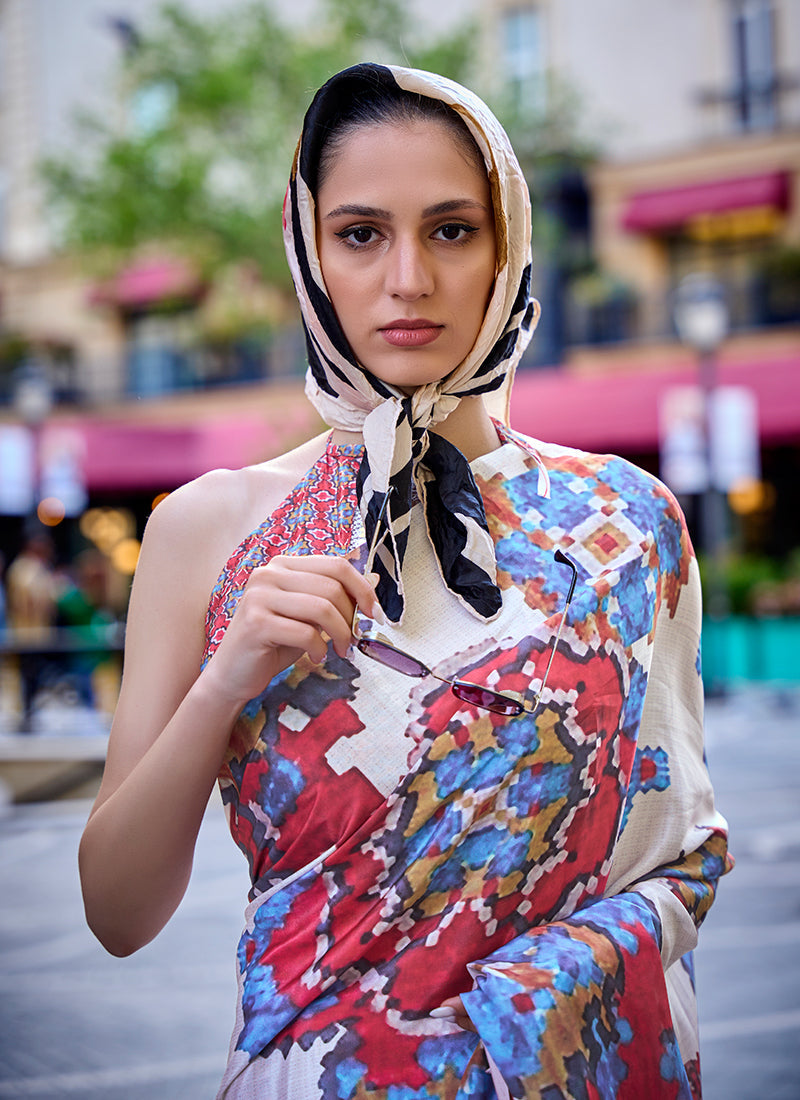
(449, 206)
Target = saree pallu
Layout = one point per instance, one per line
(405, 847)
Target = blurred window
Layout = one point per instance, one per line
(522, 49)
(736, 262)
(755, 79)
(161, 353)
(167, 352)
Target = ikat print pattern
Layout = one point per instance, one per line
(601, 962)
(405, 851)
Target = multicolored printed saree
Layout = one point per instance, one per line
(405, 847)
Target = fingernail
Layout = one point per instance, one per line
(377, 614)
(373, 579)
(445, 1012)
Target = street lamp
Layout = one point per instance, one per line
(700, 312)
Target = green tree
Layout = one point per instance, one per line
(212, 106)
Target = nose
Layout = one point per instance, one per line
(409, 274)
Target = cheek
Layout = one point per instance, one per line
(484, 277)
(489, 292)
(341, 287)
(481, 288)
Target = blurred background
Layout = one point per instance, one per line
(148, 330)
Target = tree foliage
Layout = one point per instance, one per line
(211, 108)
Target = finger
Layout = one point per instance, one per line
(276, 583)
(317, 613)
(358, 587)
(287, 633)
(302, 638)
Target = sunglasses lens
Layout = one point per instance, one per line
(486, 700)
(391, 657)
(476, 696)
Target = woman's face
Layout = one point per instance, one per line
(405, 235)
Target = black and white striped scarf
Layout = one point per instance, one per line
(399, 450)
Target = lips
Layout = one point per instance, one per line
(410, 333)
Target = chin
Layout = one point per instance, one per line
(410, 377)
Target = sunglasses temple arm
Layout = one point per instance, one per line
(557, 638)
(553, 649)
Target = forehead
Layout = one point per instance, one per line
(405, 155)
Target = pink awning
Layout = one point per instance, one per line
(133, 456)
(137, 453)
(617, 411)
(146, 282)
(669, 207)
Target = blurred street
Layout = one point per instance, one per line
(748, 961)
(75, 1022)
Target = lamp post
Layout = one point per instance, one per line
(701, 318)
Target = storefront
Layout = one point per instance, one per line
(124, 459)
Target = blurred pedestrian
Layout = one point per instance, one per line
(31, 587)
(82, 610)
(449, 684)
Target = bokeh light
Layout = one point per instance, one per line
(750, 495)
(125, 555)
(50, 511)
(106, 527)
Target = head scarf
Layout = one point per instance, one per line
(400, 453)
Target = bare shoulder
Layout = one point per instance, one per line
(202, 522)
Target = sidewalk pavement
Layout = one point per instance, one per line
(75, 1022)
(748, 960)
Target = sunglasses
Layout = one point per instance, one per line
(380, 649)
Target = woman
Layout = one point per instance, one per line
(449, 683)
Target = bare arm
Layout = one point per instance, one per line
(172, 725)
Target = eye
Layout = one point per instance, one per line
(357, 235)
(456, 232)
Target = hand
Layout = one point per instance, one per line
(290, 606)
(453, 1009)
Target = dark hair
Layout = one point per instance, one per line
(366, 98)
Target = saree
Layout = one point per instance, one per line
(404, 847)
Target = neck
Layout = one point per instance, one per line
(468, 427)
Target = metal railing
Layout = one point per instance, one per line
(58, 641)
